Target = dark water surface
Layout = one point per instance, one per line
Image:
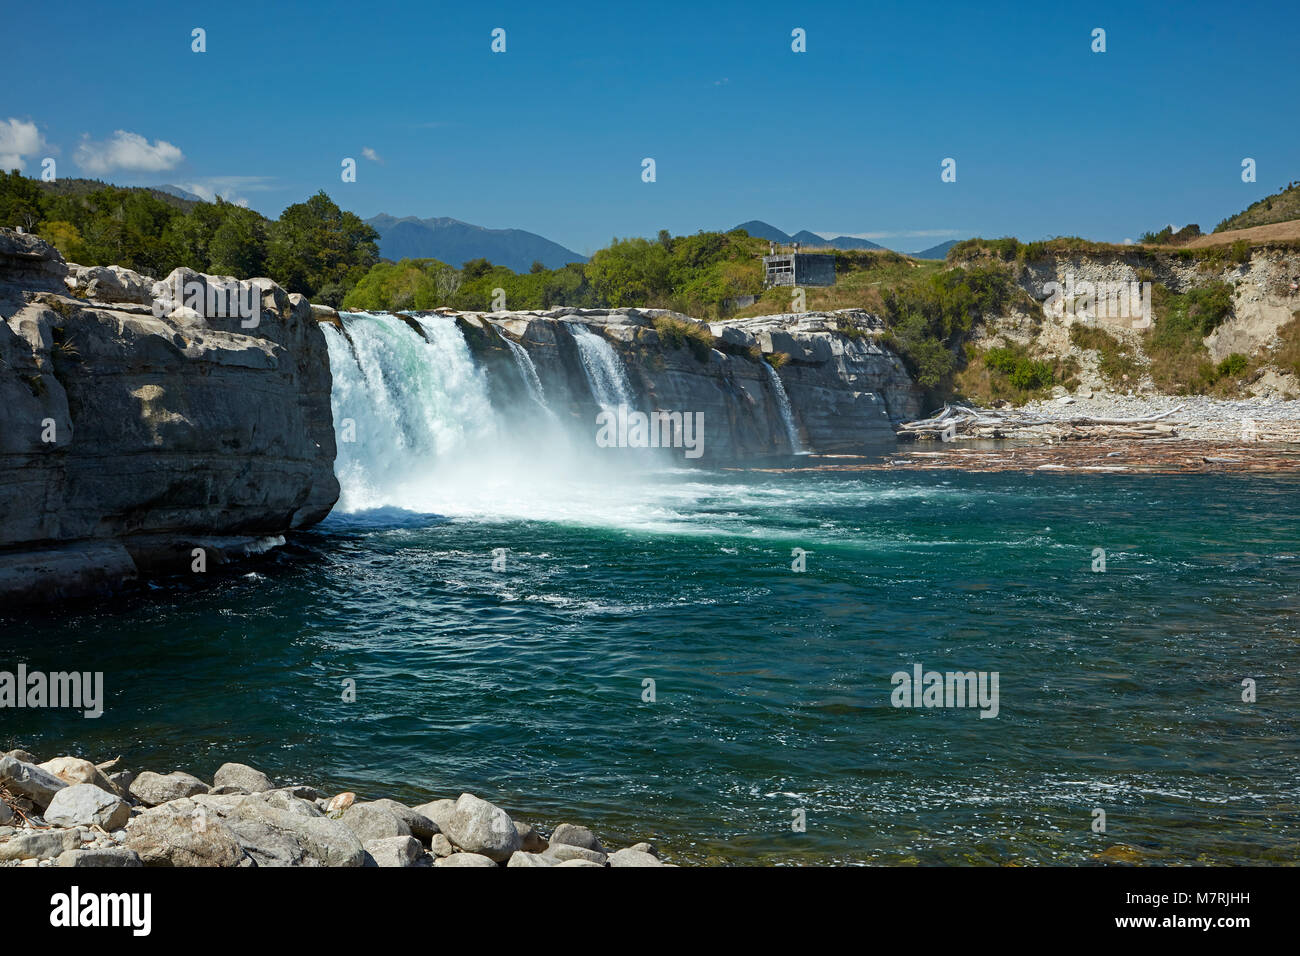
(1119, 690)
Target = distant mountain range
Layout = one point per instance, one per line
(763, 230)
(455, 243)
(935, 252)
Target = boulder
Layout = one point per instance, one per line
(28, 780)
(84, 804)
(576, 862)
(114, 856)
(370, 821)
(440, 845)
(567, 851)
(576, 836)
(114, 284)
(530, 841)
(281, 837)
(439, 811)
(41, 845)
(75, 770)
(520, 858)
(182, 833)
(400, 851)
(465, 859)
(153, 789)
(477, 826)
(630, 857)
(242, 776)
(421, 826)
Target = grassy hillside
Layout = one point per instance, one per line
(1282, 206)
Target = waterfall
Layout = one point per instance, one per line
(787, 413)
(528, 370)
(609, 385)
(402, 402)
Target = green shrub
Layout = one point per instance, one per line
(680, 333)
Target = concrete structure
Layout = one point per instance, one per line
(798, 268)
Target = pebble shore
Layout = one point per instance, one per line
(70, 812)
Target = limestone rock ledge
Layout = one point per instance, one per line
(135, 430)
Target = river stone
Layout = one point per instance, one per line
(40, 845)
(182, 833)
(370, 821)
(274, 836)
(277, 837)
(576, 836)
(579, 863)
(75, 770)
(465, 859)
(646, 848)
(284, 800)
(400, 851)
(421, 826)
(100, 856)
(340, 802)
(520, 858)
(28, 780)
(477, 826)
(567, 851)
(23, 755)
(440, 846)
(630, 857)
(84, 804)
(530, 841)
(153, 789)
(439, 811)
(243, 776)
(5, 813)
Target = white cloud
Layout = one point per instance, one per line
(18, 139)
(370, 154)
(228, 188)
(129, 151)
(908, 234)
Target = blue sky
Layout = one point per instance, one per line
(847, 138)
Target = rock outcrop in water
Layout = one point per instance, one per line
(138, 429)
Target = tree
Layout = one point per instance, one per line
(315, 244)
(65, 237)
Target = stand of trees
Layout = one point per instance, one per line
(314, 247)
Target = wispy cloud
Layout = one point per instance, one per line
(127, 151)
(371, 155)
(904, 234)
(18, 140)
(229, 188)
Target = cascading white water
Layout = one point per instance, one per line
(407, 401)
(528, 370)
(609, 385)
(417, 431)
(787, 413)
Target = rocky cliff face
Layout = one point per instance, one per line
(843, 391)
(1266, 297)
(138, 425)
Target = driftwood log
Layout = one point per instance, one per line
(963, 421)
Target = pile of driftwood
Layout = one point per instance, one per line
(962, 421)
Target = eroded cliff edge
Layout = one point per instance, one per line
(129, 438)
